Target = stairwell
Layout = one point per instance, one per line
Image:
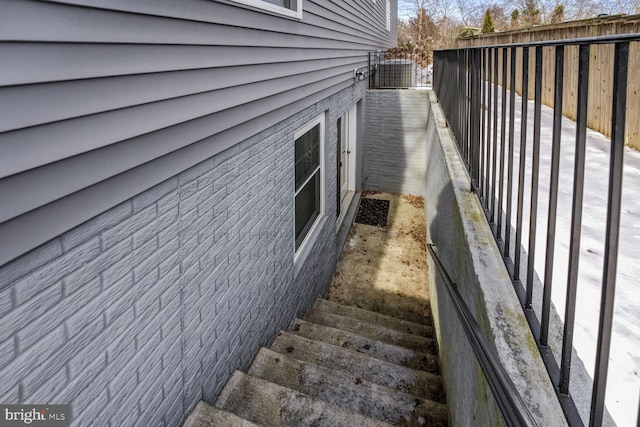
(338, 366)
(366, 356)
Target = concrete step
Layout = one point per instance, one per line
(204, 415)
(375, 318)
(373, 331)
(388, 352)
(410, 309)
(412, 381)
(269, 404)
(347, 391)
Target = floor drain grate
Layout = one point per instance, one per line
(373, 212)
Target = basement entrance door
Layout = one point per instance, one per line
(346, 161)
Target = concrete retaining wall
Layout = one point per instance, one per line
(457, 226)
(395, 141)
(134, 316)
(409, 150)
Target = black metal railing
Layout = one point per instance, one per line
(508, 399)
(472, 85)
(400, 69)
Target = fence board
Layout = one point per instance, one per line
(601, 63)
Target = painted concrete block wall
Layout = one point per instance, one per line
(457, 226)
(395, 141)
(135, 315)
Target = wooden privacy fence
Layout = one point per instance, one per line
(601, 65)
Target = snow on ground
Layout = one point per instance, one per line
(424, 75)
(624, 367)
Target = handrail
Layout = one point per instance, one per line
(509, 401)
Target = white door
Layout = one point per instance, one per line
(346, 159)
(343, 138)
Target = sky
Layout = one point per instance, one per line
(474, 9)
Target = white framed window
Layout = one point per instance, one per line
(309, 180)
(388, 12)
(291, 8)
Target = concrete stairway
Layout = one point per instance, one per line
(339, 366)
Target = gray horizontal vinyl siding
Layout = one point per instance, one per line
(103, 99)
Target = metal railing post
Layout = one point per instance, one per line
(576, 218)
(482, 101)
(494, 162)
(535, 172)
(488, 166)
(512, 111)
(521, 165)
(503, 130)
(618, 123)
(474, 106)
(553, 196)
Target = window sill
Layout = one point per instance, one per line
(263, 6)
(305, 249)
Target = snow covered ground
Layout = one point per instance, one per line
(424, 75)
(622, 394)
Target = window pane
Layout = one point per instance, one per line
(307, 207)
(307, 155)
(289, 4)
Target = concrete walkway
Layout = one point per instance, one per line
(384, 269)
